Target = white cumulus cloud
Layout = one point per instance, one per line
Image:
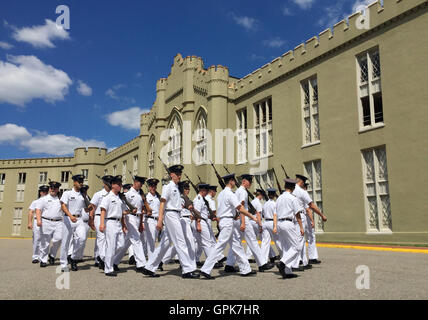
(84, 89)
(250, 24)
(24, 78)
(304, 4)
(41, 36)
(10, 133)
(5, 45)
(128, 119)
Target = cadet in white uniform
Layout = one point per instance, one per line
(169, 210)
(210, 198)
(113, 224)
(268, 225)
(72, 203)
(228, 205)
(257, 204)
(248, 232)
(151, 218)
(187, 218)
(135, 225)
(288, 211)
(49, 220)
(32, 224)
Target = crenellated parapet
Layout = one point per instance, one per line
(123, 149)
(36, 162)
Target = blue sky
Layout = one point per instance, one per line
(60, 89)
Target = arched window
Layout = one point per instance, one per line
(174, 151)
(152, 154)
(201, 139)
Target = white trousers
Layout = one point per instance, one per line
(100, 241)
(251, 238)
(133, 240)
(267, 237)
(204, 239)
(150, 235)
(115, 241)
(81, 250)
(229, 234)
(75, 231)
(50, 230)
(175, 227)
(302, 244)
(36, 241)
(288, 235)
(312, 244)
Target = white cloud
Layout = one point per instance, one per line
(5, 45)
(41, 36)
(276, 42)
(128, 119)
(112, 93)
(24, 78)
(286, 11)
(84, 89)
(304, 4)
(338, 12)
(250, 24)
(42, 142)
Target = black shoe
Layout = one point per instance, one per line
(116, 268)
(51, 260)
(132, 261)
(160, 266)
(266, 266)
(218, 265)
(139, 270)
(251, 273)
(111, 274)
(272, 260)
(300, 263)
(290, 276)
(74, 265)
(149, 273)
(314, 261)
(190, 275)
(176, 261)
(281, 268)
(223, 260)
(207, 276)
(230, 269)
(199, 264)
(43, 265)
(35, 261)
(97, 265)
(102, 265)
(299, 269)
(252, 260)
(69, 260)
(307, 267)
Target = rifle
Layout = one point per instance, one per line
(220, 180)
(211, 213)
(277, 181)
(200, 180)
(264, 192)
(285, 172)
(123, 198)
(143, 196)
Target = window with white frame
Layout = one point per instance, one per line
(311, 128)
(17, 220)
(241, 124)
(263, 128)
(43, 177)
(174, 152)
(2, 178)
(370, 89)
(124, 168)
(65, 176)
(135, 167)
(85, 173)
(201, 139)
(105, 171)
(22, 177)
(152, 154)
(313, 172)
(20, 194)
(376, 189)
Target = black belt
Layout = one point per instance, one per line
(98, 215)
(154, 218)
(52, 220)
(115, 219)
(77, 215)
(173, 210)
(268, 219)
(185, 217)
(85, 221)
(286, 219)
(135, 215)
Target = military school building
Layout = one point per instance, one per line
(348, 108)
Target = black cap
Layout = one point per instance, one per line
(229, 177)
(306, 185)
(84, 188)
(78, 177)
(290, 183)
(213, 188)
(178, 168)
(44, 188)
(248, 177)
(107, 179)
(127, 186)
(54, 185)
(116, 180)
(260, 191)
(303, 178)
(184, 184)
(202, 186)
(271, 190)
(152, 182)
(140, 179)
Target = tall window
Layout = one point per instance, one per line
(17, 220)
(65, 176)
(2, 178)
(313, 172)
(311, 129)
(266, 180)
(20, 194)
(22, 177)
(174, 152)
(135, 167)
(370, 90)
(105, 171)
(152, 154)
(263, 126)
(241, 123)
(124, 167)
(43, 177)
(201, 139)
(85, 173)
(378, 208)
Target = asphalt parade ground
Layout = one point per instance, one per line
(345, 273)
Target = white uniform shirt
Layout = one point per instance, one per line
(33, 204)
(211, 202)
(242, 195)
(257, 204)
(269, 209)
(199, 204)
(227, 204)
(113, 205)
(304, 198)
(134, 198)
(184, 211)
(154, 203)
(74, 201)
(97, 198)
(287, 206)
(172, 196)
(50, 207)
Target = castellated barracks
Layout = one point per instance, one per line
(347, 108)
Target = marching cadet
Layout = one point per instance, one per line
(112, 224)
(151, 218)
(49, 218)
(287, 216)
(32, 224)
(126, 187)
(169, 210)
(228, 204)
(246, 231)
(134, 225)
(307, 202)
(72, 203)
(257, 204)
(269, 233)
(95, 214)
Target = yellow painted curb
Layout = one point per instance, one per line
(361, 247)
